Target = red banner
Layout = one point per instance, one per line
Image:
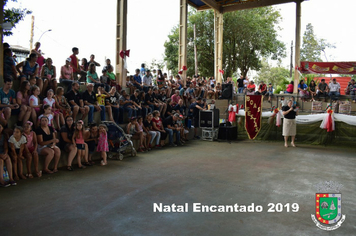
(308, 67)
(253, 109)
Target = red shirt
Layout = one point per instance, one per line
(290, 88)
(263, 87)
(74, 63)
(157, 122)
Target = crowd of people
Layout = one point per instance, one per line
(54, 118)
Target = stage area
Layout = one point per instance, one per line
(118, 199)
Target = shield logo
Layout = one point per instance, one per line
(328, 207)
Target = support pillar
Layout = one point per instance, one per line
(297, 44)
(1, 47)
(218, 47)
(183, 25)
(121, 38)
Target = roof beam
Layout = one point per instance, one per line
(213, 5)
(255, 4)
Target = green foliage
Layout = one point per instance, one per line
(248, 36)
(313, 47)
(14, 15)
(270, 74)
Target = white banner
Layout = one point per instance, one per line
(309, 119)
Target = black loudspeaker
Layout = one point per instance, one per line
(227, 133)
(226, 91)
(209, 118)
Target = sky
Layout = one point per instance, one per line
(91, 26)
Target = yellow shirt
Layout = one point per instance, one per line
(101, 99)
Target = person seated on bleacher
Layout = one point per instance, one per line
(147, 81)
(9, 64)
(158, 100)
(269, 92)
(123, 101)
(262, 89)
(251, 87)
(65, 141)
(145, 108)
(137, 134)
(290, 88)
(136, 102)
(171, 127)
(334, 90)
(312, 90)
(90, 100)
(101, 98)
(323, 89)
(92, 77)
(76, 102)
(180, 108)
(158, 126)
(47, 145)
(303, 90)
(66, 77)
(113, 102)
(175, 97)
(150, 100)
(48, 76)
(353, 90)
(29, 67)
(8, 101)
(26, 111)
(137, 80)
(104, 79)
(5, 158)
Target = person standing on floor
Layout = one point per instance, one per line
(289, 124)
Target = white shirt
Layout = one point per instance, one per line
(334, 87)
(147, 80)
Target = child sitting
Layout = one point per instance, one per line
(58, 116)
(146, 136)
(133, 129)
(105, 80)
(17, 144)
(31, 149)
(130, 84)
(61, 102)
(34, 100)
(5, 158)
(47, 111)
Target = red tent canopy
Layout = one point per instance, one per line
(309, 67)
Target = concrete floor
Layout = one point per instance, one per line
(118, 199)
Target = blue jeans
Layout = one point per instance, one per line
(241, 90)
(334, 95)
(130, 111)
(67, 83)
(170, 132)
(116, 115)
(121, 115)
(91, 113)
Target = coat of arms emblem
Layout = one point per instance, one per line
(328, 208)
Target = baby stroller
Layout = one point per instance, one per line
(118, 141)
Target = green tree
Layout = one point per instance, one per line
(249, 35)
(14, 16)
(274, 75)
(312, 47)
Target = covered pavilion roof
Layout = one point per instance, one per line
(234, 5)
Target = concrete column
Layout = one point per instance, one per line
(218, 47)
(297, 44)
(121, 38)
(1, 47)
(183, 25)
